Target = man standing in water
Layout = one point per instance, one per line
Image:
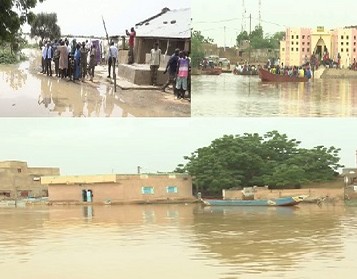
(48, 58)
(92, 61)
(84, 54)
(112, 58)
(131, 35)
(155, 63)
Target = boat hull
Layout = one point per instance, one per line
(211, 71)
(286, 201)
(270, 77)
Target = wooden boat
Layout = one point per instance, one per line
(285, 201)
(245, 73)
(211, 71)
(268, 76)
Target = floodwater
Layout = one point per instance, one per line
(25, 92)
(178, 241)
(244, 96)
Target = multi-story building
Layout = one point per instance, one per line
(300, 44)
(17, 180)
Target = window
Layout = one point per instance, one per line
(347, 50)
(347, 43)
(341, 49)
(341, 43)
(303, 49)
(297, 49)
(19, 170)
(354, 43)
(308, 49)
(147, 190)
(297, 36)
(283, 49)
(171, 189)
(303, 36)
(292, 37)
(354, 37)
(354, 50)
(292, 49)
(308, 43)
(303, 43)
(341, 37)
(347, 37)
(292, 43)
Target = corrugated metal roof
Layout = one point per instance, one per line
(170, 24)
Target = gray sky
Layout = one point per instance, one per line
(84, 17)
(99, 146)
(211, 17)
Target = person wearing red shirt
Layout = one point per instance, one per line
(131, 35)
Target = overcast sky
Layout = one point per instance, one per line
(84, 17)
(100, 146)
(212, 16)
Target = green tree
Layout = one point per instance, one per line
(45, 25)
(258, 41)
(197, 50)
(251, 159)
(13, 14)
(243, 36)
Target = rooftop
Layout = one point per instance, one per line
(167, 24)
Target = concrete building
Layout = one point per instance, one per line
(119, 188)
(301, 43)
(171, 29)
(17, 180)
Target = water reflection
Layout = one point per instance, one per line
(209, 242)
(14, 76)
(231, 95)
(276, 238)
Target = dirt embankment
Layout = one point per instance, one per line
(339, 74)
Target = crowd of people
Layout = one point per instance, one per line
(71, 60)
(178, 68)
(77, 60)
(302, 71)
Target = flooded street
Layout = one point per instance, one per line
(25, 92)
(232, 95)
(159, 240)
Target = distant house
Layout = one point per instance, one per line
(170, 28)
(17, 180)
(119, 188)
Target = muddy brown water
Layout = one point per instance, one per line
(26, 92)
(233, 95)
(178, 241)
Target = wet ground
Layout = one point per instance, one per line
(24, 92)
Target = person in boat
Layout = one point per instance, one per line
(301, 72)
(308, 72)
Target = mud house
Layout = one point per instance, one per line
(119, 188)
(171, 29)
(17, 180)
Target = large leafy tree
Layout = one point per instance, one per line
(257, 39)
(45, 25)
(251, 159)
(14, 13)
(197, 51)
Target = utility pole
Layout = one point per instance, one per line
(139, 169)
(224, 30)
(250, 32)
(260, 13)
(243, 16)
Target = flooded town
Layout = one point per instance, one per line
(129, 74)
(109, 162)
